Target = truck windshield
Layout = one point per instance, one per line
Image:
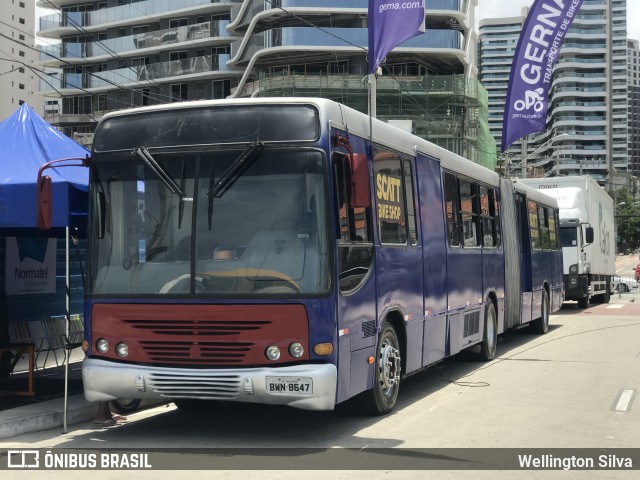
(569, 236)
(265, 234)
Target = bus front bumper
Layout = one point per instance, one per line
(309, 386)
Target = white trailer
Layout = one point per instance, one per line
(587, 235)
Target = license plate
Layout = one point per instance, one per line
(290, 386)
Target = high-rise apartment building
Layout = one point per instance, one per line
(587, 98)
(18, 82)
(120, 53)
(633, 86)
(498, 41)
(115, 54)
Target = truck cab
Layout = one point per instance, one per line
(574, 237)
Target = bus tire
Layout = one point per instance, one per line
(125, 406)
(541, 325)
(381, 399)
(490, 334)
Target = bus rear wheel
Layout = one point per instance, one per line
(381, 399)
(541, 325)
(490, 334)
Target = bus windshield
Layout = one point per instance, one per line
(166, 232)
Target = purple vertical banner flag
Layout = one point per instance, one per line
(391, 22)
(538, 47)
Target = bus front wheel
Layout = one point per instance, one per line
(490, 334)
(381, 399)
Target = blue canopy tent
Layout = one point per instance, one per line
(28, 142)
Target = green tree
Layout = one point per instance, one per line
(627, 212)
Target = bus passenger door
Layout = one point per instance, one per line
(399, 266)
(434, 252)
(465, 295)
(356, 290)
(526, 275)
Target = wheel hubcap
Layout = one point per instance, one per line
(389, 366)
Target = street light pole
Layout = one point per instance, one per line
(525, 158)
(525, 153)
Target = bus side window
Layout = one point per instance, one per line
(486, 218)
(544, 228)
(411, 209)
(469, 213)
(553, 229)
(533, 225)
(390, 203)
(452, 209)
(495, 212)
(355, 248)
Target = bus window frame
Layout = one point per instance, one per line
(340, 168)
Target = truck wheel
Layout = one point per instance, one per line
(381, 399)
(490, 335)
(541, 325)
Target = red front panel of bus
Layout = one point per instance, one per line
(200, 335)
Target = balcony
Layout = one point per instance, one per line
(133, 43)
(250, 9)
(299, 38)
(140, 75)
(123, 13)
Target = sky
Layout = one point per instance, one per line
(511, 8)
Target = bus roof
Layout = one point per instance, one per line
(346, 118)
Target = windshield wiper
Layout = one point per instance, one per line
(235, 168)
(146, 157)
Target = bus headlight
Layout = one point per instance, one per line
(122, 350)
(296, 350)
(102, 345)
(272, 352)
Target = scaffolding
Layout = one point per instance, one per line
(448, 110)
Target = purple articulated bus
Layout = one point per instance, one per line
(295, 252)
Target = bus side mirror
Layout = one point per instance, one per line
(44, 207)
(43, 203)
(589, 235)
(360, 194)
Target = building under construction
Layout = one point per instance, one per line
(117, 54)
(448, 110)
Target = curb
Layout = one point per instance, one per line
(45, 416)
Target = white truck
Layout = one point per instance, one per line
(587, 235)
